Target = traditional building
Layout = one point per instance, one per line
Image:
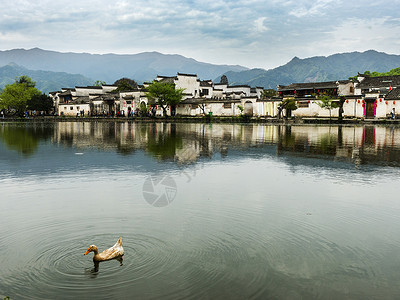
(200, 97)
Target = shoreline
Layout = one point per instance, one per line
(229, 120)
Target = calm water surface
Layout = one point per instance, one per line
(204, 211)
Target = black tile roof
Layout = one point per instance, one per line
(394, 94)
(312, 85)
(205, 83)
(380, 81)
(183, 74)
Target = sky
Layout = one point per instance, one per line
(252, 33)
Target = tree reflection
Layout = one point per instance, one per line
(24, 138)
(164, 141)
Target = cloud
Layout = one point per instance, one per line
(255, 33)
(312, 8)
(259, 24)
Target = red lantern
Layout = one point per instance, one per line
(376, 101)
(309, 101)
(363, 101)
(394, 102)
(347, 101)
(386, 102)
(297, 102)
(376, 105)
(363, 105)
(380, 100)
(358, 101)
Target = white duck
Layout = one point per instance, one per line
(116, 251)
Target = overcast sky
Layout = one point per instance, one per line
(252, 33)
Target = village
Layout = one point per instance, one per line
(364, 98)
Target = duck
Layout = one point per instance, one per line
(115, 252)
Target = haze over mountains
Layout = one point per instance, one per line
(46, 81)
(110, 67)
(318, 68)
(54, 70)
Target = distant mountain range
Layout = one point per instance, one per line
(59, 70)
(46, 81)
(110, 67)
(319, 68)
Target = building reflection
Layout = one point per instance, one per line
(187, 143)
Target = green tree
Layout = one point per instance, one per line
(268, 93)
(40, 102)
(288, 105)
(164, 94)
(125, 84)
(328, 103)
(224, 80)
(393, 72)
(14, 97)
(99, 83)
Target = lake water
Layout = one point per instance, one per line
(204, 210)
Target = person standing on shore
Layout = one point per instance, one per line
(2, 114)
(393, 114)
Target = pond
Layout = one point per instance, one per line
(204, 210)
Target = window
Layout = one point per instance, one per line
(303, 104)
(204, 92)
(77, 108)
(128, 102)
(71, 108)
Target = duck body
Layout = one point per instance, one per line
(115, 251)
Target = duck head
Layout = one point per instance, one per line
(92, 248)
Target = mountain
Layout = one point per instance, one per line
(110, 67)
(46, 81)
(318, 68)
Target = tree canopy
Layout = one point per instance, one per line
(328, 103)
(224, 80)
(40, 102)
(164, 94)
(99, 83)
(268, 93)
(125, 84)
(392, 72)
(15, 96)
(288, 104)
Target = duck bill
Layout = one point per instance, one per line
(88, 250)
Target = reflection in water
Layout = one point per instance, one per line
(24, 138)
(187, 143)
(96, 264)
(267, 212)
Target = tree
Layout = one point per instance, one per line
(393, 72)
(99, 83)
(288, 104)
(269, 93)
(164, 94)
(224, 80)
(125, 84)
(15, 97)
(327, 102)
(40, 102)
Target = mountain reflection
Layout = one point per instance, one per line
(188, 142)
